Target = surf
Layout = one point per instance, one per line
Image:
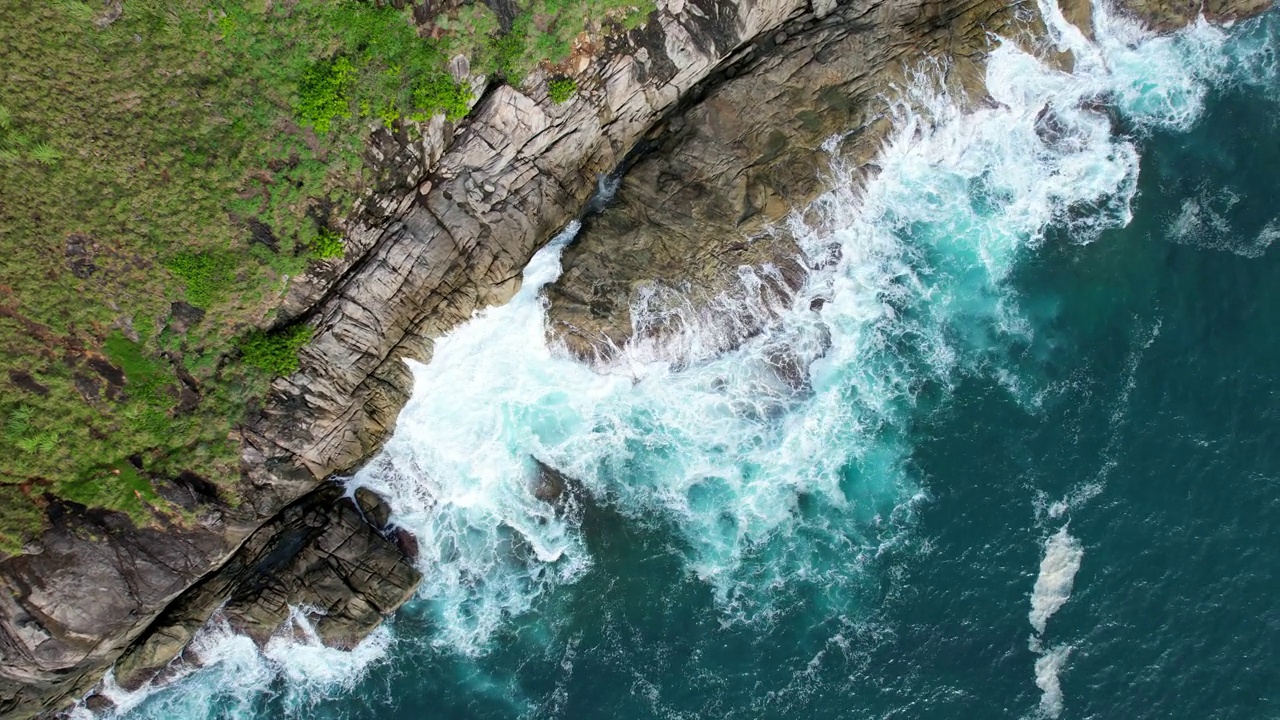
(780, 467)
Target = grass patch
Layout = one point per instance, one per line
(189, 153)
(275, 352)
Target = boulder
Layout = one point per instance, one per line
(320, 553)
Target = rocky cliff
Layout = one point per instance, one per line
(718, 107)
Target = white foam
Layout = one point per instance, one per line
(1062, 557)
(1048, 666)
(229, 676)
(1058, 568)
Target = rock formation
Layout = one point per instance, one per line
(720, 108)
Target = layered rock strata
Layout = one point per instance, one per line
(729, 100)
(695, 226)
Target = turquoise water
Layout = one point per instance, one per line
(1032, 471)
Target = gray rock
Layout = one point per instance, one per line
(423, 253)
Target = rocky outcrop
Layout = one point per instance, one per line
(515, 172)
(1169, 15)
(729, 101)
(693, 237)
(697, 219)
(327, 553)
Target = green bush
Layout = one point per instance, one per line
(561, 89)
(207, 275)
(324, 92)
(441, 93)
(506, 51)
(327, 245)
(275, 352)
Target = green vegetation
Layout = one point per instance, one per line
(324, 94)
(206, 275)
(275, 352)
(327, 245)
(162, 177)
(561, 89)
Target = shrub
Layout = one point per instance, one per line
(275, 352)
(327, 245)
(561, 89)
(324, 92)
(441, 93)
(206, 275)
(506, 51)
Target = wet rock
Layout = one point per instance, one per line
(98, 703)
(320, 553)
(1170, 15)
(407, 542)
(375, 509)
(565, 494)
(694, 215)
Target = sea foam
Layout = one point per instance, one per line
(784, 462)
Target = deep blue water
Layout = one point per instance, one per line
(992, 384)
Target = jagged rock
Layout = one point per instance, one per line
(566, 494)
(434, 243)
(320, 553)
(1169, 15)
(375, 509)
(98, 703)
(691, 215)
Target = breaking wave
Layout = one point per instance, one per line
(781, 467)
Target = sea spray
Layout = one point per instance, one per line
(226, 675)
(773, 486)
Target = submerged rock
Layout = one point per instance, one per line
(565, 494)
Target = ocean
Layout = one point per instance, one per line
(1029, 466)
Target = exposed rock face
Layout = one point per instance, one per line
(690, 215)
(686, 226)
(318, 553)
(516, 172)
(1168, 15)
(91, 574)
(460, 213)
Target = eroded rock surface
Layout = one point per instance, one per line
(689, 220)
(732, 97)
(320, 553)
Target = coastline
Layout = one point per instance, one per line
(438, 230)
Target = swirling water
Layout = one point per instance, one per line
(1020, 461)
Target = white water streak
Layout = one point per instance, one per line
(1058, 568)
